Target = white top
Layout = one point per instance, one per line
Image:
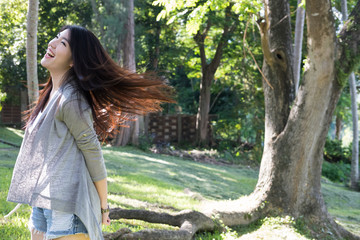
(36, 121)
(60, 160)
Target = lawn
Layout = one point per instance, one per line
(145, 180)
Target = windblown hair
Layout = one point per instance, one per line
(113, 93)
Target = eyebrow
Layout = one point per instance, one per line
(63, 37)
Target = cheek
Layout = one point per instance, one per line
(69, 55)
(66, 57)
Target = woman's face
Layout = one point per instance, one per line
(58, 58)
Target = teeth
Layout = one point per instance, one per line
(50, 54)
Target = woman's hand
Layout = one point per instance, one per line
(101, 187)
(105, 218)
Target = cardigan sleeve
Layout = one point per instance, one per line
(80, 125)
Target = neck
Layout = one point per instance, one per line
(56, 80)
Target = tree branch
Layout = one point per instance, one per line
(214, 64)
(200, 41)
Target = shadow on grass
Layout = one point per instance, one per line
(211, 181)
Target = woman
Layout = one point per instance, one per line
(60, 169)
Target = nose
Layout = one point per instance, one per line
(53, 43)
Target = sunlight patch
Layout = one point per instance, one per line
(148, 158)
(19, 133)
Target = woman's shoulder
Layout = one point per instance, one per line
(72, 101)
(70, 93)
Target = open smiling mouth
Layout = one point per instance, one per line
(49, 54)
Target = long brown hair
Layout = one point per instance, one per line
(112, 92)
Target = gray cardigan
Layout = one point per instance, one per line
(59, 161)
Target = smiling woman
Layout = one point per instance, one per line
(60, 168)
(58, 58)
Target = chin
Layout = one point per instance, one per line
(43, 63)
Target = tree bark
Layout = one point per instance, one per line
(31, 51)
(354, 176)
(299, 32)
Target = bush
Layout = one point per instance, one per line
(336, 172)
(334, 151)
(145, 142)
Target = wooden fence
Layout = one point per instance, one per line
(178, 128)
(10, 115)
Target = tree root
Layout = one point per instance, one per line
(342, 232)
(188, 221)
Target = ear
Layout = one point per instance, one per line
(71, 65)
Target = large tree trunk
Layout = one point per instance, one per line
(299, 32)
(290, 172)
(354, 177)
(31, 51)
(295, 130)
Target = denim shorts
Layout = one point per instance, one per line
(55, 224)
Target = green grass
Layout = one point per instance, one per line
(169, 184)
(11, 135)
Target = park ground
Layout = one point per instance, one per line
(145, 180)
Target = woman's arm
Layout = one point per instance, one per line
(101, 187)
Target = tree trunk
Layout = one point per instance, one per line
(31, 51)
(338, 127)
(290, 172)
(129, 40)
(299, 32)
(295, 130)
(202, 117)
(131, 133)
(354, 177)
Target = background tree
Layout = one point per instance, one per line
(31, 51)
(130, 133)
(12, 54)
(354, 179)
(205, 20)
